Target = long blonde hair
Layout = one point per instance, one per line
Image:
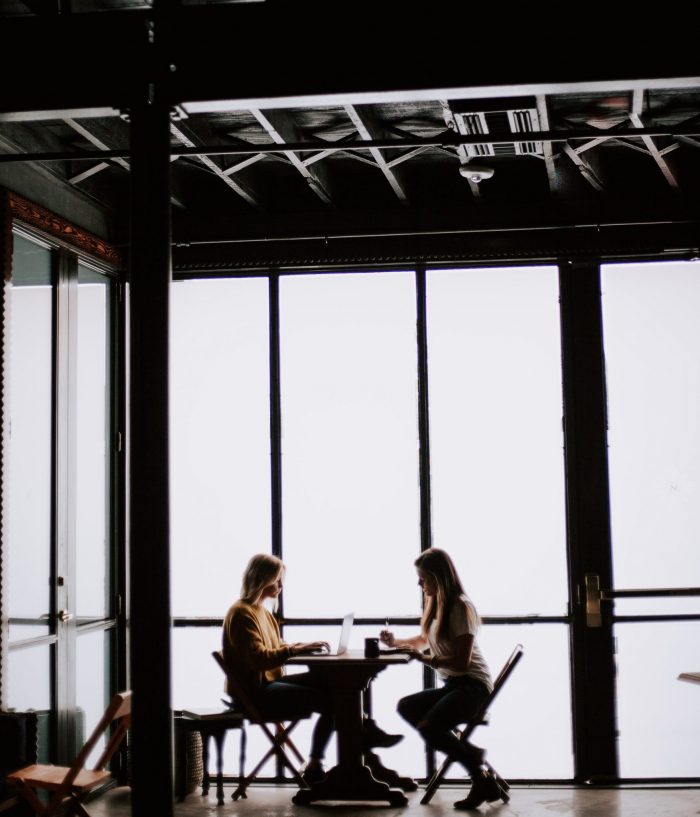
(441, 569)
(262, 570)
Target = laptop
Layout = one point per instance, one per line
(344, 639)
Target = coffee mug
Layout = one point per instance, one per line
(371, 647)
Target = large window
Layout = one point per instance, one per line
(296, 428)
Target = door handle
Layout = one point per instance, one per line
(591, 583)
(64, 615)
(594, 596)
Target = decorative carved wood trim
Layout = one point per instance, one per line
(47, 222)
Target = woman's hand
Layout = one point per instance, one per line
(306, 647)
(387, 637)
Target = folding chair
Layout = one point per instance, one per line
(68, 786)
(279, 740)
(479, 719)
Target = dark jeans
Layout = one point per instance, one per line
(296, 696)
(436, 712)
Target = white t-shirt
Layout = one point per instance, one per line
(463, 620)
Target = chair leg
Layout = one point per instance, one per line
(503, 785)
(435, 781)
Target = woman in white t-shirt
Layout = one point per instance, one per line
(448, 628)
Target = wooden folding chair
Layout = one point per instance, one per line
(278, 741)
(479, 719)
(68, 786)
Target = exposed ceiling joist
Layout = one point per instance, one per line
(637, 122)
(366, 125)
(584, 168)
(179, 131)
(547, 150)
(282, 130)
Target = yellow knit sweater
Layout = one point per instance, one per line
(253, 650)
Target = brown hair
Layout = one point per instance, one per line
(440, 567)
(262, 570)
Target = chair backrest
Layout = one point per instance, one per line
(238, 693)
(506, 670)
(118, 711)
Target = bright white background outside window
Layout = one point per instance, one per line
(652, 338)
(28, 465)
(220, 450)
(92, 428)
(350, 517)
(497, 467)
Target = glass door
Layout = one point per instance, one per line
(652, 338)
(57, 489)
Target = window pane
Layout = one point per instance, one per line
(658, 716)
(27, 483)
(220, 450)
(350, 448)
(530, 733)
(494, 361)
(653, 382)
(92, 686)
(93, 431)
(28, 678)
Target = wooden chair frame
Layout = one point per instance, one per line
(479, 719)
(279, 740)
(69, 785)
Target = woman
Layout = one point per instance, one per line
(448, 628)
(254, 655)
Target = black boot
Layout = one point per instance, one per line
(484, 790)
(374, 737)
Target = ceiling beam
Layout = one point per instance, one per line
(186, 137)
(637, 122)
(584, 167)
(547, 150)
(95, 132)
(282, 130)
(366, 125)
(447, 140)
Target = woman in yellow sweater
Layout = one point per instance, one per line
(254, 654)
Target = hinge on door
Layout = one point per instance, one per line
(119, 442)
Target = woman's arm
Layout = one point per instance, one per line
(245, 632)
(458, 658)
(417, 641)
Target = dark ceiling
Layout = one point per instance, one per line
(538, 155)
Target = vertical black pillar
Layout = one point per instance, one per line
(588, 520)
(151, 743)
(423, 417)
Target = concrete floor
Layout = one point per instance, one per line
(526, 801)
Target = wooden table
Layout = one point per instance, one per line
(348, 676)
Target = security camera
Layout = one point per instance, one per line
(475, 173)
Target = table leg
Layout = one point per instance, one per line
(205, 763)
(389, 776)
(350, 779)
(219, 738)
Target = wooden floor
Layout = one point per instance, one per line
(268, 801)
